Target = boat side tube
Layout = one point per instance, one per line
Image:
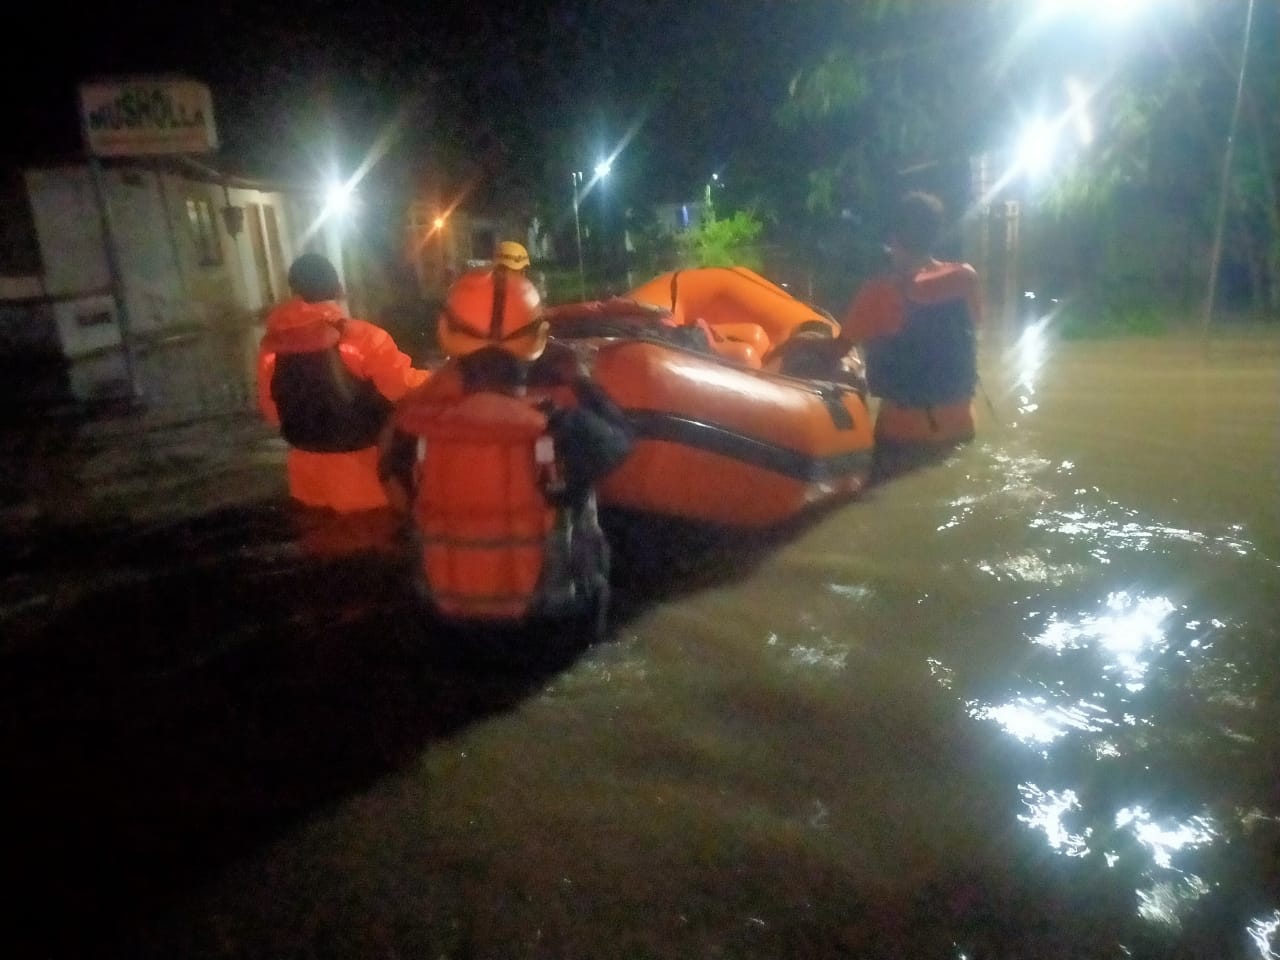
(728, 445)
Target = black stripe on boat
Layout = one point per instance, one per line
(655, 425)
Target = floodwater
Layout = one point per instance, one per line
(1025, 703)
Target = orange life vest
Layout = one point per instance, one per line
(486, 468)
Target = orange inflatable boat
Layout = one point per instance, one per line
(746, 314)
(715, 441)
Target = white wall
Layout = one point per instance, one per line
(145, 247)
(68, 228)
(165, 284)
(78, 339)
(66, 218)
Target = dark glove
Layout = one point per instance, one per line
(589, 446)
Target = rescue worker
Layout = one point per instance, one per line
(512, 255)
(916, 325)
(329, 382)
(497, 457)
(515, 257)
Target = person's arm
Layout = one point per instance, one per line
(398, 454)
(266, 370)
(592, 397)
(592, 438)
(974, 298)
(875, 310)
(389, 368)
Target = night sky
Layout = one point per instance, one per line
(515, 93)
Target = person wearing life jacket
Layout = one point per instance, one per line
(916, 326)
(497, 457)
(329, 382)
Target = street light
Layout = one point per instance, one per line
(602, 170)
(340, 199)
(576, 177)
(437, 227)
(1036, 148)
(713, 182)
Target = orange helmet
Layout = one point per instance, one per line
(493, 307)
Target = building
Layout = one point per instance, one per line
(440, 246)
(677, 217)
(194, 252)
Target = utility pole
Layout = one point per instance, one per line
(576, 176)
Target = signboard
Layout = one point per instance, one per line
(147, 117)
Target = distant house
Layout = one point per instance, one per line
(194, 249)
(675, 217)
(438, 252)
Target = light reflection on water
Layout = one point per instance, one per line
(1028, 359)
(1166, 838)
(1045, 812)
(1263, 932)
(1102, 525)
(1148, 636)
(1035, 720)
(1130, 636)
(822, 652)
(1165, 901)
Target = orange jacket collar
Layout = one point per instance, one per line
(296, 313)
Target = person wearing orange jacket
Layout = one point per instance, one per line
(329, 382)
(497, 456)
(917, 327)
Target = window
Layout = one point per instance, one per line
(204, 233)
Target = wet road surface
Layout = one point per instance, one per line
(1021, 704)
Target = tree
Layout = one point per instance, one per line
(724, 242)
(916, 88)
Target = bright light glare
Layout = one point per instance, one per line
(1036, 148)
(339, 199)
(438, 223)
(603, 168)
(1079, 111)
(1104, 10)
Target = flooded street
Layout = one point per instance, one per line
(1025, 703)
